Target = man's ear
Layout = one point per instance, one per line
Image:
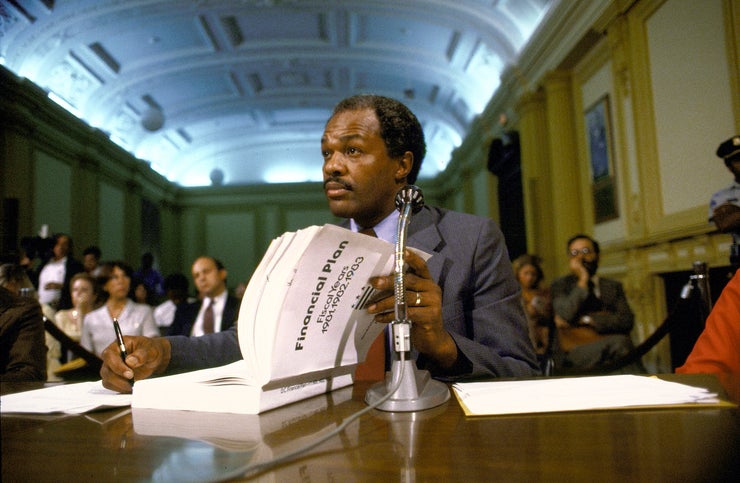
(405, 163)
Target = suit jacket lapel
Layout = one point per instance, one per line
(424, 235)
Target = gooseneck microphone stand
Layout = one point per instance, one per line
(411, 389)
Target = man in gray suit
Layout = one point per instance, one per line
(592, 315)
(464, 302)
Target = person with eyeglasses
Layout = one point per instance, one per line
(592, 315)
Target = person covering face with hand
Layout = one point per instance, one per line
(464, 301)
(592, 315)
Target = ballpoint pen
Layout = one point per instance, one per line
(119, 338)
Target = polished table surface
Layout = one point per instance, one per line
(439, 444)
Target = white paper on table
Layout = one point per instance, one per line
(576, 394)
(75, 398)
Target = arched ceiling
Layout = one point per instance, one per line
(243, 87)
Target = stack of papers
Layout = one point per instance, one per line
(76, 398)
(577, 394)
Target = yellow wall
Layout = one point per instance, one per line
(670, 72)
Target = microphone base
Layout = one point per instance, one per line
(417, 391)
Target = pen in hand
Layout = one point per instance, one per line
(119, 338)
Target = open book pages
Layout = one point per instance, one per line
(578, 394)
(303, 309)
(303, 327)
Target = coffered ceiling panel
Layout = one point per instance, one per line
(238, 91)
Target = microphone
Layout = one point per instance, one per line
(406, 388)
(409, 200)
(410, 195)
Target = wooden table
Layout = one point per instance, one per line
(438, 445)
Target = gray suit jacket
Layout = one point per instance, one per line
(569, 301)
(612, 318)
(481, 305)
(480, 301)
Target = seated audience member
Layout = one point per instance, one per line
(150, 276)
(215, 311)
(23, 347)
(592, 315)
(717, 350)
(134, 318)
(140, 292)
(84, 300)
(176, 291)
(464, 300)
(56, 273)
(536, 301)
(37, 249)
(91, 260)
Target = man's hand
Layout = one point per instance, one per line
(423, 307)
(575, 264)
(727, 217)
(146, 356)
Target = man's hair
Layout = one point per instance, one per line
(585, 237)
(219, 264)
(94, 251)
(399, 127)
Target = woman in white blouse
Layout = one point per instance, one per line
(134, 319)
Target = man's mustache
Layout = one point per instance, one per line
(340, 181)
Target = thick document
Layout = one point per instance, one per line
(303, 327)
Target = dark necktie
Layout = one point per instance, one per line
(592, 302)
(208, 317)
(369, 232)
(373, 367)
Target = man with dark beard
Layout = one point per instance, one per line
(592, 316)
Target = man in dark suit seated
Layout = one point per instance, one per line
(592, 315)
(464, 301)
(215, 311)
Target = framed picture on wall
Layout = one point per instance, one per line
(601, 161)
